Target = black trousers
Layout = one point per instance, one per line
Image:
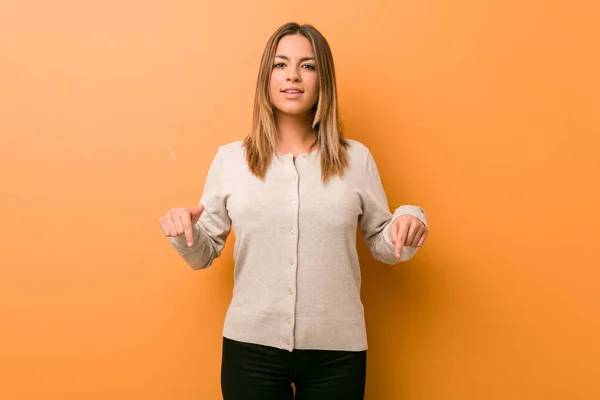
(251, 371)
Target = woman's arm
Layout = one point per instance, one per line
(376, 219)
(211, 231)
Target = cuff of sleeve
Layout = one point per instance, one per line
(415, 211)
(180, 241)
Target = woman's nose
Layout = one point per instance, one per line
(293, 76)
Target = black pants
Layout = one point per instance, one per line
(251, 371)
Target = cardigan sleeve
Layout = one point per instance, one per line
(376, 219)
(212, 229)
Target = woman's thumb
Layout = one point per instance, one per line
(196, 212)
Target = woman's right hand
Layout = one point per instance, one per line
(181, 220)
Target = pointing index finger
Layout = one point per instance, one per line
(187, 229)
(402, 232)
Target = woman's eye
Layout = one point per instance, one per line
(309, 66)
(279, 65)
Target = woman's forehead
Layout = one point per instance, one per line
(296, 46)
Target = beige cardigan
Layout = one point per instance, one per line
(297, 276)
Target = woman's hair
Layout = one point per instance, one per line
(261, 143)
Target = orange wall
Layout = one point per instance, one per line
(484, 113)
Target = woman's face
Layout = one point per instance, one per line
(294, 85)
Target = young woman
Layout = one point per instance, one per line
(294, 192)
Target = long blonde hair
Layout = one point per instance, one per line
(261, 143)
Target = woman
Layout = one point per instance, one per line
(294, 191)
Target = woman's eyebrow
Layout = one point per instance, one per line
(301, 60)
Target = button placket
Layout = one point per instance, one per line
(292, 260)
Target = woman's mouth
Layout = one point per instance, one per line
(292, 93)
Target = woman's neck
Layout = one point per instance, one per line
(294, 134)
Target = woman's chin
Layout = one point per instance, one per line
(294, 110)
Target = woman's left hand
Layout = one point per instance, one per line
(409, 231)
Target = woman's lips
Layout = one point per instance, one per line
(292, 93)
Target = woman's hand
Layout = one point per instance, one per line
(181, 220)
(409, 231)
